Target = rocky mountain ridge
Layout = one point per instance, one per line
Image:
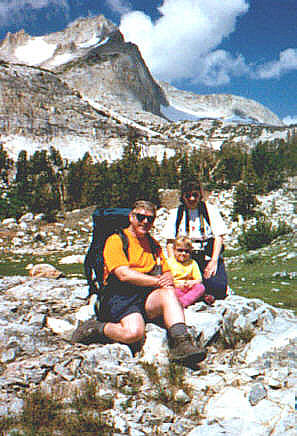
(111, 96)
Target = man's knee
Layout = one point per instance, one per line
(169, 292)
(133, 334)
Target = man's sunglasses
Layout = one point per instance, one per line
(183, 250)
(141, 218)
(189, 195)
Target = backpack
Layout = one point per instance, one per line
(105, 223)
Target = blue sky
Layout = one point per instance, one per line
(241, 47)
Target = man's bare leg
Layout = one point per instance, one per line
(129, 330)
(164, 302)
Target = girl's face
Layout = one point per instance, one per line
(182, 253)
(191, 199)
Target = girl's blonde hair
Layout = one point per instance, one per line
(183, 240)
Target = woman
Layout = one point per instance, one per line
(203, 224)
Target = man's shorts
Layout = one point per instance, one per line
(122, 299)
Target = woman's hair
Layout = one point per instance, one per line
(192, 185)
(183, 240)
(147, 205)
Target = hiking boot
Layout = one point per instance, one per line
(89, 332)
(183, 351)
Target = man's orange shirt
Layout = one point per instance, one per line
(140, 256)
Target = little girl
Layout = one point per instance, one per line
(186, 274)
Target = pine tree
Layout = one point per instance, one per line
(267, 160)
(245, 198)
(6, 164)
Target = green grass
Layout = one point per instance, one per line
(253, 277)
(11, 265)
(250, 272)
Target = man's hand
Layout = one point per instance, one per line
(166, 280)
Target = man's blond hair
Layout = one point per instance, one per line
(147, 205)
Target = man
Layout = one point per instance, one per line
(135, 293)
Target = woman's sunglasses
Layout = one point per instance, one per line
(141, 218)
(189, 195)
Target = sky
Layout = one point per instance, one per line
(241, 47)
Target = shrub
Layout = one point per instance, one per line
(261, 233)
(231, 337)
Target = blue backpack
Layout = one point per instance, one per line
(105, 223)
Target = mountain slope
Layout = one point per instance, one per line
(190, 106)
(92, 57)
(86, 89)
(38, 110)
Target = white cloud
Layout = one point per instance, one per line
(180, 44)
(11, 9)
(119, 6)
(290, 120)
(218, 66)
(287, 62)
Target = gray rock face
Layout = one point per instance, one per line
(93, 58)
(38, 110)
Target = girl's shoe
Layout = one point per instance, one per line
(208, 299)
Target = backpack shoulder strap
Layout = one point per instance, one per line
(180, 212)
(124, 239)
(154, 247)
(203, 213)
(153, 244)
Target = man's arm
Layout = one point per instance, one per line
(127, 274)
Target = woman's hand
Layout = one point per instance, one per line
(212, 266)
(211, 269)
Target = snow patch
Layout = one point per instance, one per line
(94, 41)
(178, 113)
(173, 114)
(61, 59)
(104, 41)
(35, 51)
(90, 42)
